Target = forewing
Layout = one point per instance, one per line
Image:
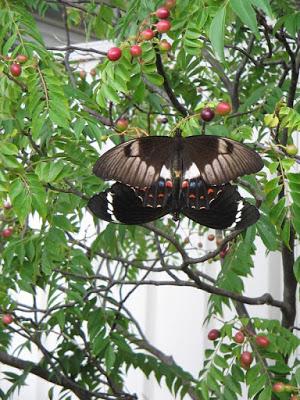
(120, 203)
(217, 159)
(138, 163)
(228, 211)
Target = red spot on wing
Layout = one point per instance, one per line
(169, 184)
(210, 190)
(185, 184)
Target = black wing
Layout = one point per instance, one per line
(121, 204)
(227, 211)
(217, 160)
(139, 162)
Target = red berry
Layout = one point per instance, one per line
(170, 4)
(164, 45)
(211, 237)
(6, 233)
(7, 319)
(213, 334)
(135, 50)
(219, 241)
(122, 124)
(114, 53)
(15, 69)
(246, 358)
(7, 205)
(82, 74)
(207, 114)
(21, 58)
(162, 13)
(163, 26)
(93, 72)
(223, 108)
(147, 34)
(162, 120)
(224, 251)
(294, 397)
(239, 337)
(262, 341)
(278, 387)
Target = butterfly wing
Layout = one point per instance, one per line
(121, 203)
(217, 159)
(227, 211)
(139, 162)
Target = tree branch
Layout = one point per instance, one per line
(43, 373)
(219, 70)
(235, 89)
(167, 86)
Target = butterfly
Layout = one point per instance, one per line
(223, 207)
(158, 175)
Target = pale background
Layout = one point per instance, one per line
(171, 318)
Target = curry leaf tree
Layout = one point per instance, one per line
(56, 118)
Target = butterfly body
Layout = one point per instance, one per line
(158, 175)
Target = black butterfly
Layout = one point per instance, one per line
(221, 208)
(159, 175)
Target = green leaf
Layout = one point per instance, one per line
(246, 13)
(217, 32)
(8, 149)
(99, 344)
(110, 93)
(38, 195)
(63, 222)
(110, 357)
(61, 318)
(285, 232)
(156, 79)
(296, 269)
(19, 193)
(266, 394)
(263, 5)
(220, 362)
(257, 385)
(49, 171)
(276, 211)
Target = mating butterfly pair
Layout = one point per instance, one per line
(159, 175)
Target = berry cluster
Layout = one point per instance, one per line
(162, 26)
(246, 357)
(222, 108)
(15, 67)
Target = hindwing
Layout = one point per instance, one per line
(121, 203)
(227, 211)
